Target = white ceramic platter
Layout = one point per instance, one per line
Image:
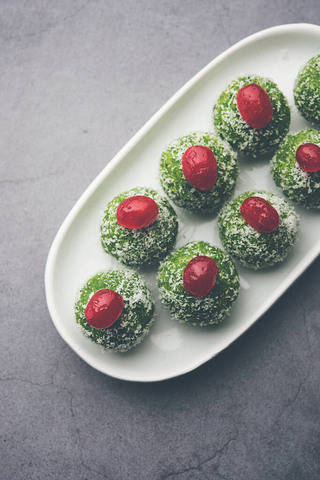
(172, 349)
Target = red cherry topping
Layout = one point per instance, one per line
(255, 106)
(260, 215)
(104, 308)
(137, 212)
(199, 167)
(308, 157)
(199, 276)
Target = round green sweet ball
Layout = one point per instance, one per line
(307, 90)
(251, 248)
(184, 306)
(137, 316)
(243, 138)
(139, 247)
(298, 185)
(180, 191)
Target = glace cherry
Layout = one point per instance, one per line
(260, 215)
(199, 276)
(137, 212)
(199, 167)
(255, 106)
(308, 157)
(104, 308)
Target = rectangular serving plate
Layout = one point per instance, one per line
(76, 254)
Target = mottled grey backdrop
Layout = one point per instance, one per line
(78, 78)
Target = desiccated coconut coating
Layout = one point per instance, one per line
(180, 191)
(183, 305)
(232, 127)
(250, 247)
(139, 247)
(136, 318)
(298, 185)
(307, 90)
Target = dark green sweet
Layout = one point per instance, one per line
(251, 248)
(183, 305)
(307, 90)
(298, 185)
(232, 127)
(180, 191)
(139, 247)
(136, 318)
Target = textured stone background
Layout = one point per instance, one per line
(78, 78)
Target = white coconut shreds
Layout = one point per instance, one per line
(184, 306)
(250, 247)
(180, 191)
(245, 139)
(136, 318)
(298, 185)
(139, 247)
(307, 90)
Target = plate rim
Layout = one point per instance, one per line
(107, 170)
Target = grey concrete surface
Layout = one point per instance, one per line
(77, 80)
